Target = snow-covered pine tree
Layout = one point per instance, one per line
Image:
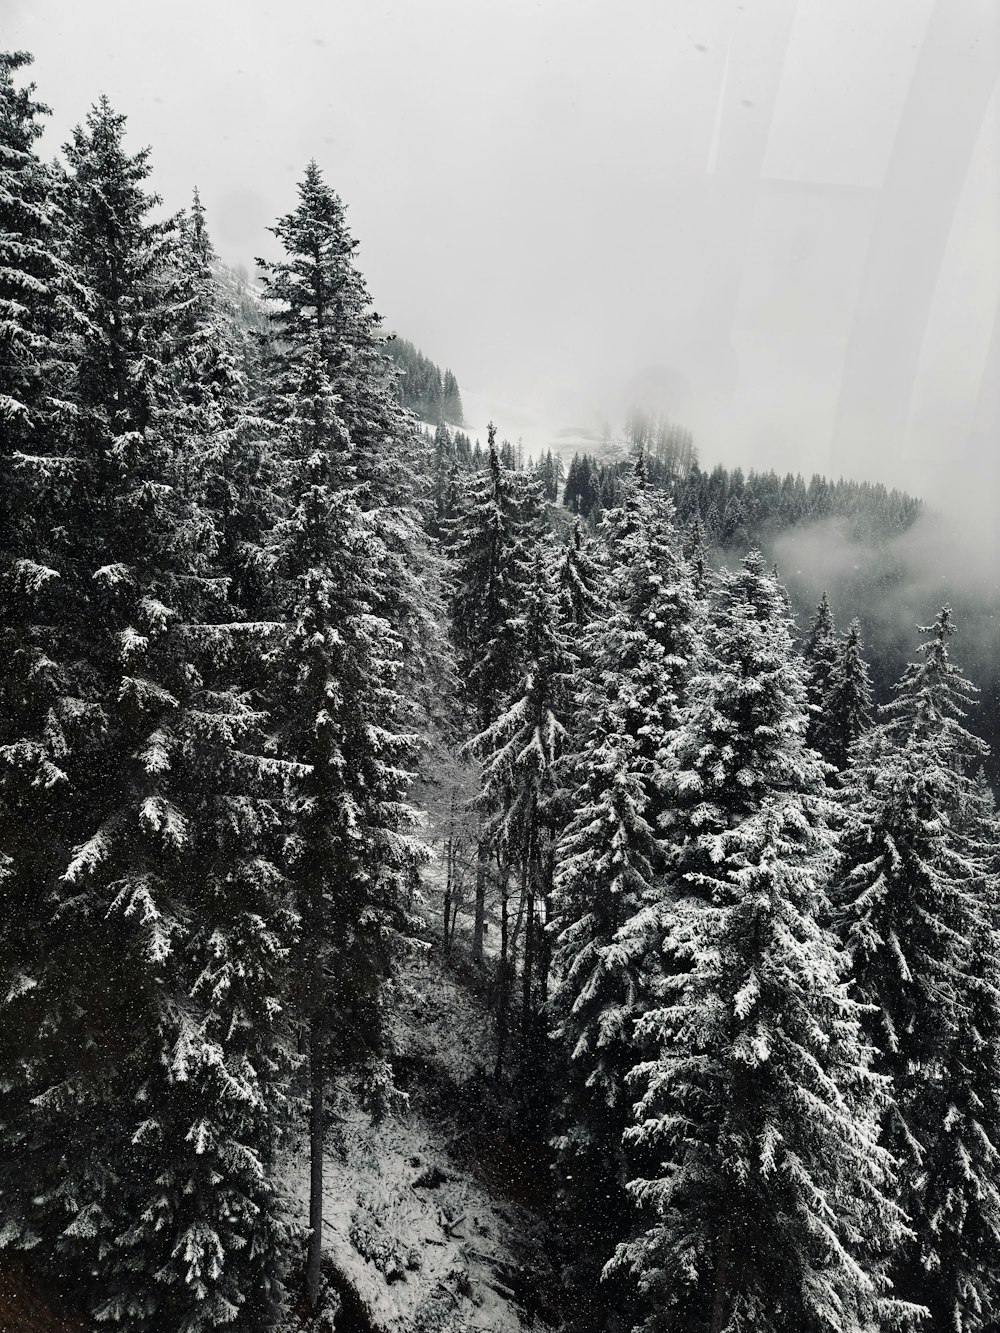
(336, 698)
(28, 292)
(846, 712)
(35, 809)
(491, 549)
(768, 1211)
(221, 1104)
(820, 652)
(144, 1150)
(222, 442)
(112, 529)
(696, 553)
(952, 1270)
(650, 634)
(578, 581)
(35, 472)
(604, 879)
(918, 890)
(451, 399)
(443, 462)
(636, 658)
(520, 750)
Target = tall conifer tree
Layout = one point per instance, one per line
(337, 703)
(636, 659)
(847, 705)
(918, 890)
(492, 551)
(821, 655)
(769, 1209)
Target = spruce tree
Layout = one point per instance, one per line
(636, 656)
(520, 750)
(846, 712)
(222, 1105)
(650, 634)
(578, 580)
(917, 884)
(117, 555)
(604, 880)
(821, 654)
(337, 701)
(769, 1210)
(491, 549)
(156, 1080)
(35, 713)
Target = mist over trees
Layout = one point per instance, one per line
(429, 392)
(292, 688)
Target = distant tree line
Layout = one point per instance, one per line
(426, 390)
(738, 509)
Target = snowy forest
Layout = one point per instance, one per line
(443, 889)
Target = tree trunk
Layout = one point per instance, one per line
(448, 881)
(503, 979)
(544, 946)
(721, 1282)
(480, 922)
(317, 1099)
(529, 956)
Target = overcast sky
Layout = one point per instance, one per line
(776, 221)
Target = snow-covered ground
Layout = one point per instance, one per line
(535, 433)
(426, 1245)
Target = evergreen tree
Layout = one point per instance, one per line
(492, 552)
(821, 654)
(636, 656)
(29, 291)
(35, 711)
(696, 553)
(918, 888)
(769, 1210)
(649, 637)
(846, 711)
(338, 703)
(520, 751)
(222, 437)
(29, 286)
(580, 494)
(578, 579)
(604, 880)
(116, 585)
(157, 1084)
(451, 400)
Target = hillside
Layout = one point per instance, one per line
(434, 1221)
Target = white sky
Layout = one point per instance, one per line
(777, 221)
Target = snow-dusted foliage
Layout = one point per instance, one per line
(918, 890)
(162, 918)
(335, 696)
(600, 985)
(846, 711)
(520, 752)
(820, 653)
(768, 1203)
(649, 636)
(578, 580)
(636, 658)
(491, 543)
